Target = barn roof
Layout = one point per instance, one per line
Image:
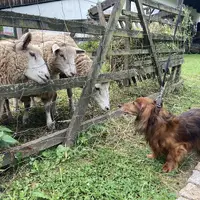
(16, 3)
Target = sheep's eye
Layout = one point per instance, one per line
(61, 55)
(32, 54)
(97, 89)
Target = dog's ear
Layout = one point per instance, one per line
(140, 105)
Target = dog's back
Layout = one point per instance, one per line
(189, 127)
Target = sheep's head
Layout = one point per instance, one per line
(101, 95)
(64, 59)
(30, 58)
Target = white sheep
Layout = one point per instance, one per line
(50, 41)
(60, 57)
(59, 51)
(20, 61)
(101, 90)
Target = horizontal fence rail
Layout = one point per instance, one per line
(12, 19)
(9, 18)
(25, 89)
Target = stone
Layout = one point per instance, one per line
(191, 192)
(182, 198)
(198, 166)
(195, 178)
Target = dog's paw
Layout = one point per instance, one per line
(152, 156)
(169, 166)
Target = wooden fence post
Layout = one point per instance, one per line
(101, 14)
(79, 113)
(147, 32)
(126, 82)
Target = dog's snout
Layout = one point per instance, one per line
(119, 106)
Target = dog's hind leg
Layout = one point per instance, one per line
(174, 157)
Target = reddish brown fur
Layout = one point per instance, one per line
(167, 134)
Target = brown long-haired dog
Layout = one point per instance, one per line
(167, 134)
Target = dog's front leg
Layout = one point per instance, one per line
(170, 163)
(151, 155)
(154, 153)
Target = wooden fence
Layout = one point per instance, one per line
(135, 61)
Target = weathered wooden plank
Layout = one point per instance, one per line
(78, 39)
(160, 6)
(101, 15)
(19, 20)
(154, 4)
(121, 18)
(135, 16)
(45, 142)
(141, 63)
(102, 50)
(126, 33)
(178, 73)
(163, 14)
(174, 58)
(18, 90)
(139, 35)
(105, 5)
(126, 82)
(131, 14)
(147, 31)
(130, 52)
(141, 52)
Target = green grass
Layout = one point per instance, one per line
(109, 160)
(189, 96)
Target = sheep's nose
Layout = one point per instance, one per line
(119, 106)
(62, 75)
(107, 108)
(47, 77)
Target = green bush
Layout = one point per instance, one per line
(5, 138)
(89, 46)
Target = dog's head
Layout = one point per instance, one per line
(137, 106)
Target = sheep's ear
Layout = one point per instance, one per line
(78, 51)
(55, 49)
(24, 41)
